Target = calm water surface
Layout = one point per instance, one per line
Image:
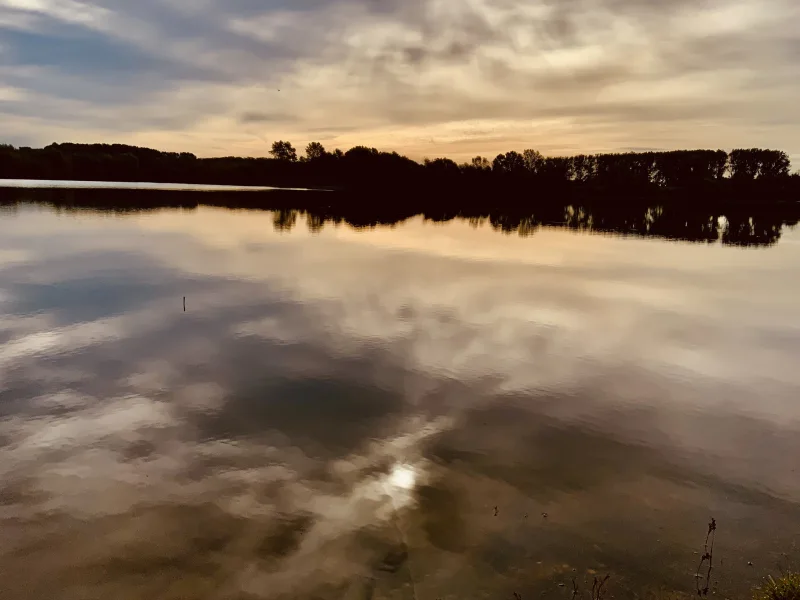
(388, 413)
(130, 185)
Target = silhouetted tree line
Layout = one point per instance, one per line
(755, 174)
(706, 222)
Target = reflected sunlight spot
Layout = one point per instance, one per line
(403, 476)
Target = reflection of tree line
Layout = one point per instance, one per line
(739, 223)
(732, 227)
(751, 172)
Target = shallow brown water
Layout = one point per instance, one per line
(339, 414)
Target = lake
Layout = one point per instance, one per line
(417, 410)
(129, 185)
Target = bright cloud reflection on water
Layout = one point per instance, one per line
(403, 477)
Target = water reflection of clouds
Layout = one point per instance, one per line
(307, 379)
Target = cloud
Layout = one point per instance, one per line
(264, 117)
(204, 76)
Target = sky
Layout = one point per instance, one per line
(427, 78)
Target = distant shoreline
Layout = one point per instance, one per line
(506, 196)
(513, 179)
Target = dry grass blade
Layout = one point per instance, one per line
(708, 557)
(783, 588)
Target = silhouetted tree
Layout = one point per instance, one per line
(743, 164)
(556, 169)
(315, 151)
(534, 161)
(755, 163)
(774, 164)
(442, 166)
(584, 168)
(718, 164)
(283, 151)
(511, 163)
(481, 163)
